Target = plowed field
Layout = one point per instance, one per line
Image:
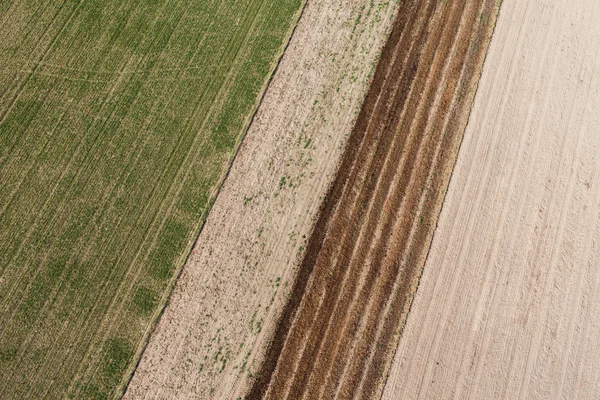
(509, 303)
(365, 257)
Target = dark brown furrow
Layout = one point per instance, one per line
(401, 203)
(383, 205)
(400, 245)
(347, 167)
(432, 199)
(331, 267)
(398, 168)
(346, 186)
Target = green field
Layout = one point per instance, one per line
(118, 120)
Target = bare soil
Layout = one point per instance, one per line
(367, 251)
(213, 334)
(509, 303)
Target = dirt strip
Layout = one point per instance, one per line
(223, 311)
(366, 254)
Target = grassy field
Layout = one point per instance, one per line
(117, 122)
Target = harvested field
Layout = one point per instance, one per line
(364, 259)
(211, 339)
(509, 302)
(118, 120)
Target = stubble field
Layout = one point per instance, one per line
(118, 120)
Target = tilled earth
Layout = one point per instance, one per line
(365, 256)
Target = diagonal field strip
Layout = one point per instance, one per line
(508, 303)
(338, 334)
(210, 340)
(106, 178)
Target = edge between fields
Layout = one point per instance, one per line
(302, 275)
(164, 301)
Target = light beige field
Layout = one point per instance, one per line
(213, 334)
(509, 305)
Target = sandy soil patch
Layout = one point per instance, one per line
(509, 302)
(224, 308)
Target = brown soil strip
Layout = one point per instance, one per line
(366, 254)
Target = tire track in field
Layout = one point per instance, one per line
(81, 172)
(107, 206)
(45, 52)
(102, 330)
(79, 151)
(14, 85)
(59, 289)
(5, 169)
(381, 207)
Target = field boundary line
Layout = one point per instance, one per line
(452, 112)
(372, 222)
(431, 166)
(122, 388)
(488, 110)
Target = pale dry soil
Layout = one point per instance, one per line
(508, 306)
(221, 316)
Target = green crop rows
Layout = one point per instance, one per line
(118, 119)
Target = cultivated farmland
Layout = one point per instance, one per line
(365, 256)
(390, 227)
(509, 302)
(118, 120)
